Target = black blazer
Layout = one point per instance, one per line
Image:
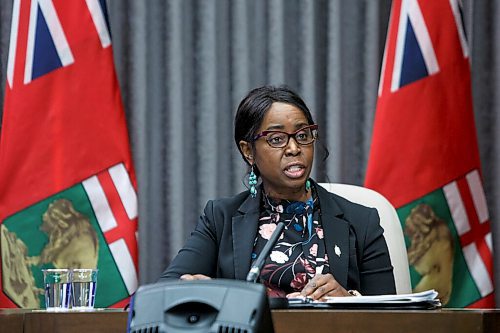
(222, 243)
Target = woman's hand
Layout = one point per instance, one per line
(320, 286)
(190, 277)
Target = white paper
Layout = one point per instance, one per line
(424, 296)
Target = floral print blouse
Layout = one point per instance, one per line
(299, 253)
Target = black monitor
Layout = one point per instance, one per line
(219, 306)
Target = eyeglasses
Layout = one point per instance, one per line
(278, 139)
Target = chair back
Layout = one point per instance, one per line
(389, 221)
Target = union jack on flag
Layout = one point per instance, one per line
(47, 46)
(69, 197)
(415, 57)
(424, 156)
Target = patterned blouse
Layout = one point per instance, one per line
(299, 253)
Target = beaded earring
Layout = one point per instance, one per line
(308, 185)
(252, 181)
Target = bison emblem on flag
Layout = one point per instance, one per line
(84, 226)
(424, 156)
(68, 183)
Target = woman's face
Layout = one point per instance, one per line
(284, 171)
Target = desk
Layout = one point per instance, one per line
(33, 321)
(285, 321)
(385, 321)
(11, 320)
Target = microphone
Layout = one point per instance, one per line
(254, 272)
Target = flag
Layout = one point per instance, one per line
(67, 184)
(424, 155)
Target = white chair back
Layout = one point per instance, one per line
(389, 221)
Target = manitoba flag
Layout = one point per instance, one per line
(424, 156)
(67, 184)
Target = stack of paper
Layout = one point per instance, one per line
(423, 300)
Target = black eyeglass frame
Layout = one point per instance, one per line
(313, 128)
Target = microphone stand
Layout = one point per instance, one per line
(254, 272)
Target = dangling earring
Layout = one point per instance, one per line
(252, 181)
(308, 185)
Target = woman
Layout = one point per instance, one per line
(330, 246)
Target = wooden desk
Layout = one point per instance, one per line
(385, 321)
(285, 321)
(32, 321)
(11, 320)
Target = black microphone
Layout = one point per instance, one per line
(254, 272)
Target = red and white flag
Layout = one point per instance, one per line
(424, 156)
(68, 194)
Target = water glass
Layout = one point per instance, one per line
(57, 289)
(84, 286)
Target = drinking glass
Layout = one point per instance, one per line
(84, 285)
(57, 289)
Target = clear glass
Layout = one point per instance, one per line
(84, 286)
(57, 289)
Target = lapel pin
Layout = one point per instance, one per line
(337, 251)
